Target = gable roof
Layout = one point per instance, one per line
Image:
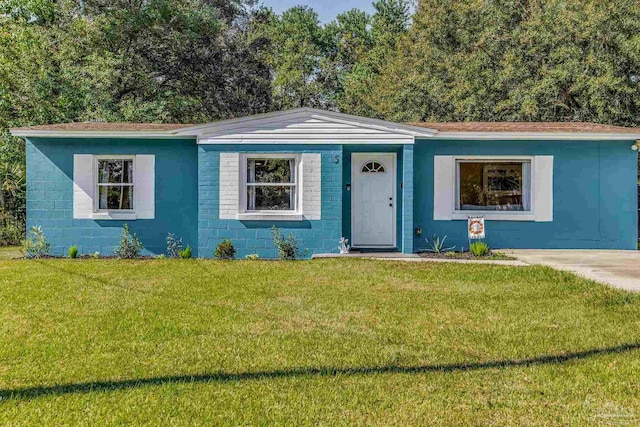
(306, 126)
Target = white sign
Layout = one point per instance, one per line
(475, 225)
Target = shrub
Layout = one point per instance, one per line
(174, 246)
(436, 245)
(129, 246)
(186, 253)
(287, 247)
(73, 252)
(252, 257)
(36, 244)
(479, 248)
(11, 229)
(225, 250)
(96, 255)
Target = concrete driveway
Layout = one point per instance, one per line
(616, 268)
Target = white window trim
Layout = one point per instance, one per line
(116, 214)
(289, 215)
(457, 214)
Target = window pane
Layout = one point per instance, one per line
(272, 198)
(115, 197)
(115, 171)
(493, 186)
(270, 170)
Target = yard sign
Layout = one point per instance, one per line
(475, 225)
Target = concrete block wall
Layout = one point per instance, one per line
(50, 194)
(254, 237)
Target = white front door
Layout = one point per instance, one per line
(373, 199)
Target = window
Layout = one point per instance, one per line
(271, 184)
(115, 184)
(372, 167)
(493, 185)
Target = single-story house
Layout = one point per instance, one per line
(324, 175)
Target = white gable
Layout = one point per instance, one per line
(305, 126)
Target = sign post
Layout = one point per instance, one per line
(475, 227)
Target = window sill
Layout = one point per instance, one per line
(260, 216)
(114, 216)
(495, 216)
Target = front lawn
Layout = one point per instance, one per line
(10, 252)
(330, 342)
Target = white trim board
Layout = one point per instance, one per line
(445, 190)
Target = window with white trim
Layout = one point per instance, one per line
(115, 185)
(493, 185)
(271, 184)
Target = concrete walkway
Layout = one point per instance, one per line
(617, 268)
(396, 256)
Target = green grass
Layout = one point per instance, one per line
(329, 342)
(10, 252)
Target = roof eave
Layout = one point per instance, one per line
(570, 136)
(30, 133)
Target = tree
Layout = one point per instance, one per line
(387, 25)
(295, 47)
(512, 60)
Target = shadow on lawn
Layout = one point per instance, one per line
(102, 386)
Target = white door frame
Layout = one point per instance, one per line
(394, 227)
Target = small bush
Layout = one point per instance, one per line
(174, 246)
(225, 250)
(186, 253)
(129, 246)
(11, 229)
(436, 245)
(96, 255)
(479, 248)
(36, 244)
(73, 252)
(287, 247)
(252, 257)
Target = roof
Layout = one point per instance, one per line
(105, 127)
(561, 127)
(308, 125)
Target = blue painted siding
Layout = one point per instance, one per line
(595, 203)
(407, 198)
(50, 194)
(254, 237)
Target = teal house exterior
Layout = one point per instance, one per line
(322, 176)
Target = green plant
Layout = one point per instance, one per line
(174, 246)
(186, 253)
(479, 248)
(287, 247)
(252, 257)
(129, 246)
(11, 229)
(73, 252)
(96, 255)
(436, 245)
(225, 250)
(36, 244)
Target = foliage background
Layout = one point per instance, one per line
(191, 61)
